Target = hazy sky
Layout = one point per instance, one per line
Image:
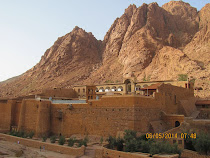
(29, 27)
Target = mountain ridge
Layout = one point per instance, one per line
(152, 41)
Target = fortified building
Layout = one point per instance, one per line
(104, 110)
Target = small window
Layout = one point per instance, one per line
(78, 90)
(83, 90)
(177, 123)
(179, 141)
(174, 141)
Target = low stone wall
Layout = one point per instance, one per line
(108, 153)
(52, 147)
(192, 154)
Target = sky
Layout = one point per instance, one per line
(29, 28)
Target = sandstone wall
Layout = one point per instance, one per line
(60, 92)
(108, 153)
(171, 119)
(16, 107)
(43, 118)
(174, 98)
(28, 115)
(106, 116)
(5, 114)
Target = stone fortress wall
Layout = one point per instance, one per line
(104, 117)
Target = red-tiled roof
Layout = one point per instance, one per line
(202, 102)
(153, 86)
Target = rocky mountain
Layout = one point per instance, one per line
(156, 43)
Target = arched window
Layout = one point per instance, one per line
(107, 89)
(120, 88)
(96, 89)
(101, 89)
(114, 88)
(138, 88)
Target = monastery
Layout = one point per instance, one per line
(104, 110)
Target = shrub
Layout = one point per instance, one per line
(80, 143)
(130, 141)
(182, 77)
(31, 134)
(44, 138)
(111, 142)
(142, 137)
(129, 134)
(202, 143)
(25, 135)
(131, 146)
(109, 81)
(12, 132)
(164, 148)
(101, 140)
(176, 150)
(20, 133)
(61, 140)
(119, 143)
(71, 142)
(83, 142)
(15, 133)
(145, 145)
(52, 139)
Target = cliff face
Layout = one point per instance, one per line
(70, 60)
(154, 42)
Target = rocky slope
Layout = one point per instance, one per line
(154, 42)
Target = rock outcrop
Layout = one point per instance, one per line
(153, 42)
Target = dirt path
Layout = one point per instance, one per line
(9, 150)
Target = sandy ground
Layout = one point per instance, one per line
(9, 150)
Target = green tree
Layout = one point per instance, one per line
(119, 143)
(111, 142)
(202, 143)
